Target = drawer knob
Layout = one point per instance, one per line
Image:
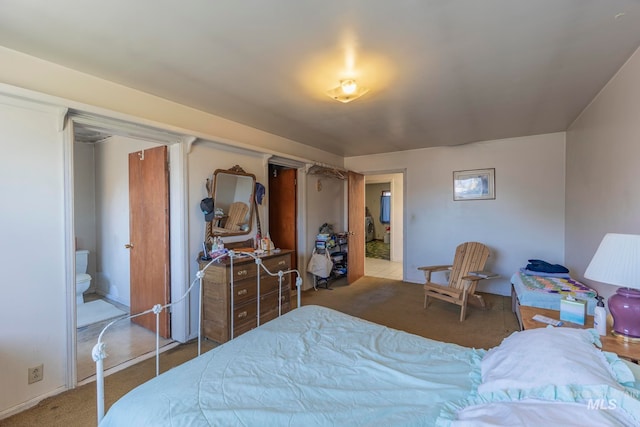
(283, 262)
(242, 272)
(242, 292)
(242, 315)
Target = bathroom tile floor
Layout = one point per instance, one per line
(375, 267)
(126, 342)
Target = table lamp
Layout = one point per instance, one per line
(617, 262)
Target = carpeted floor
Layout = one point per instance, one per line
(392, 303)
(399, 305)
(377, 249)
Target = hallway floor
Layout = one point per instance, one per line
(385, 269)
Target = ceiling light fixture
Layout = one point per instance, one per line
(347, 91)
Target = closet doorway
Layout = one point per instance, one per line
(283, 211)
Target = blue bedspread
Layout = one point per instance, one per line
(312, 366)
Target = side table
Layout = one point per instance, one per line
(624, 349)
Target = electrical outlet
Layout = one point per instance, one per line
(36, 373)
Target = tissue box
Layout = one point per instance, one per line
(573, 310)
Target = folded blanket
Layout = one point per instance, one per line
(556, 285)
(543, 274)
(545, 267)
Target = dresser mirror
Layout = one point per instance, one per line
(233, 202)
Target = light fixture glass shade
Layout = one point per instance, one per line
(348, 86)
(617, 261)
(347, 91)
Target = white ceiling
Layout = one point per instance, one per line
(440, 72)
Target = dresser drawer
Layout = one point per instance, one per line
(270, 283)
(269, 301)
(245, 312)
(268, 310)
(244, 290)
(244, 318)
(275, 264)
(246, 270)
(244, 327)
(272, 314)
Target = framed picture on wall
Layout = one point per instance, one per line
(475, 184)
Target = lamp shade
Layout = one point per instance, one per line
(617, 261)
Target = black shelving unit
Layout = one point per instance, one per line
(337, 246)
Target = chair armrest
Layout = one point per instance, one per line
(430, 269)
(436, 268)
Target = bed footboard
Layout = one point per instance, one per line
(99, 352)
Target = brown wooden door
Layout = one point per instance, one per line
(283, 212)
(355, 255)
(149, 235)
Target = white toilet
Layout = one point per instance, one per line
(83, 280)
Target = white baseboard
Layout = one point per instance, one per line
(29, 403)
(129, 363)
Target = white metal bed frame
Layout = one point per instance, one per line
(99, 350)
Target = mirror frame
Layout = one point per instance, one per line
(211, 229)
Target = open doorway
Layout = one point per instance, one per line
(283, 211)
(102, 232)
(384, 225)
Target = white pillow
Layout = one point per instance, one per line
(558, 356)
(541, 413)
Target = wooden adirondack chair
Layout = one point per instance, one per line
(470, 256)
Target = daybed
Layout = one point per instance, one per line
(546, 292)
(315, 366)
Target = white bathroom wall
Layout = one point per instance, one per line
(84, 188)
(32, 248)
(526, 220)
(112, 215)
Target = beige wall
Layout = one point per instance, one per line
(526, 220)
(32, 262)
(603, 148)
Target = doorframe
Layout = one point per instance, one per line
(403, 172)
(301, 200)
(177, 146)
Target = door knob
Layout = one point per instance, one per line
(129, 246)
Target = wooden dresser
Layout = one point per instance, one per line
(216, 295)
